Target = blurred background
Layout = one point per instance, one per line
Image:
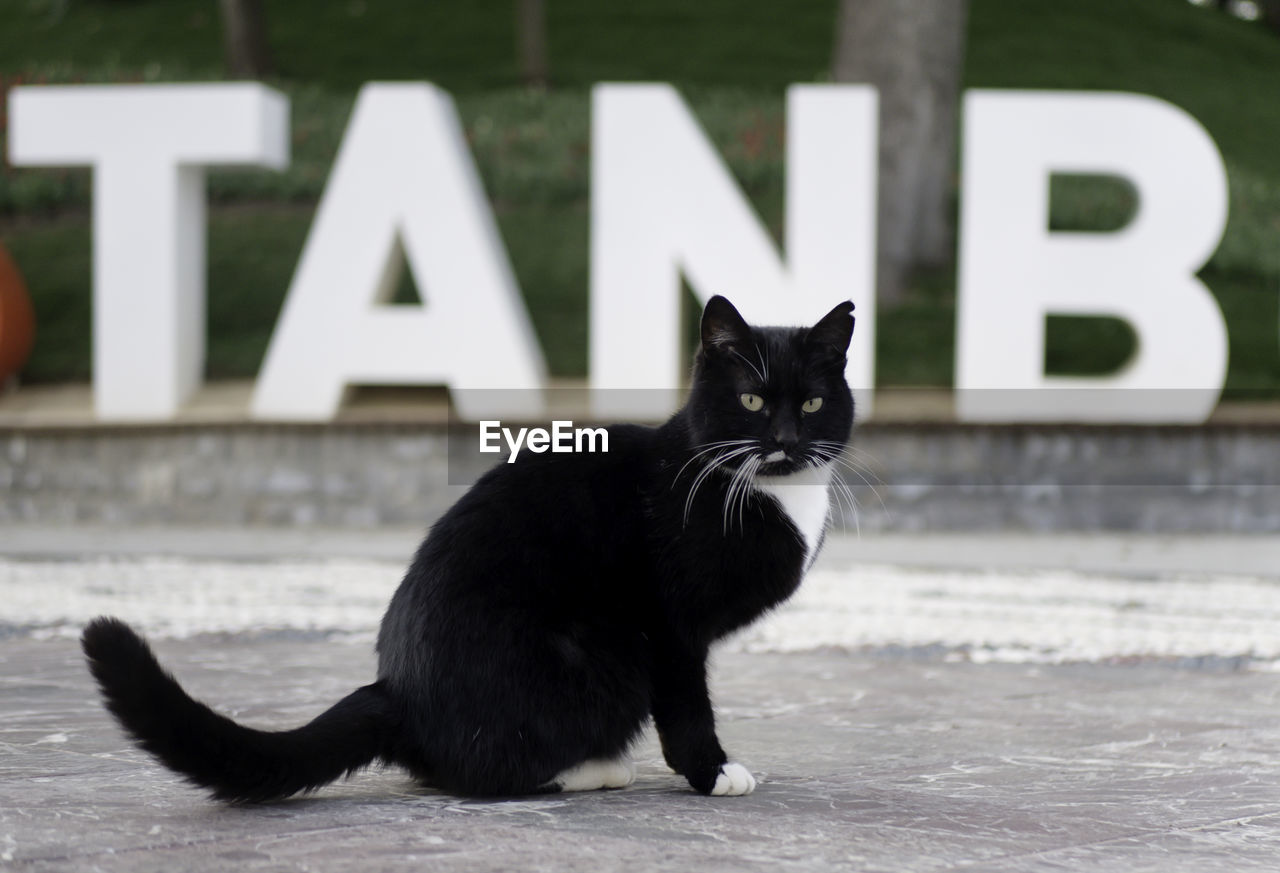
(1142, 557)
(520, 72)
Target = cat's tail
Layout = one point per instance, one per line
(235, 763)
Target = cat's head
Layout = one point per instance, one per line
(772, 397)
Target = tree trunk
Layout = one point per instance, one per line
(913, 52)
(531, 39)
(244, 39)
(1271, 14)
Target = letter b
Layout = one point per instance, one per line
(1014, 272)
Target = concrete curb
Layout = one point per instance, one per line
(1213, 479)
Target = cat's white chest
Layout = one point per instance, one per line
(805, 497)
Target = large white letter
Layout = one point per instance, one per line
(664, 204)
(1014, 272)
(402, 178)
(148, 145)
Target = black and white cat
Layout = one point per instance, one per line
(563, 601)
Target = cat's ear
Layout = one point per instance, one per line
(834, 330)
(722, 326)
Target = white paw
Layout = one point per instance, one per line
(734, 779)
(595, 774)
(619, 773)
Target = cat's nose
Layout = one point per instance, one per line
(785, 436)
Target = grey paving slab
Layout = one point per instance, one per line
(866, 762)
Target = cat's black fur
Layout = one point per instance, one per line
(558, 605)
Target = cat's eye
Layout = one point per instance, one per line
(753, 402)
(813, 404)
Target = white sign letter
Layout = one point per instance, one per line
(1013, 272)
(148, 145)
(403, 180)
(663, 204)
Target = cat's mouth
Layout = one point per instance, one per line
(781, 463)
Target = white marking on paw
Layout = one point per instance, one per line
(734, 780)
(805, 498)
(594, 774)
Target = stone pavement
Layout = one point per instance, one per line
(872, 759)
(865, 763)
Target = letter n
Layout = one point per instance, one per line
(664, 205)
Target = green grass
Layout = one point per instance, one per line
(60, 296)
(464, 45)
(243, 253)
(732, 61)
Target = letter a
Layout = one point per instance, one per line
(402, 179)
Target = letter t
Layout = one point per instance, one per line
(148, 146)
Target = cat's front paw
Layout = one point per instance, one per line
(734, 779)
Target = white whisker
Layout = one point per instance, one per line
(839, 453)
(759, 374)
(706, 448)
(744, 494)
(738, 492)
(716, 463)
(764, 361)
(855, 461)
